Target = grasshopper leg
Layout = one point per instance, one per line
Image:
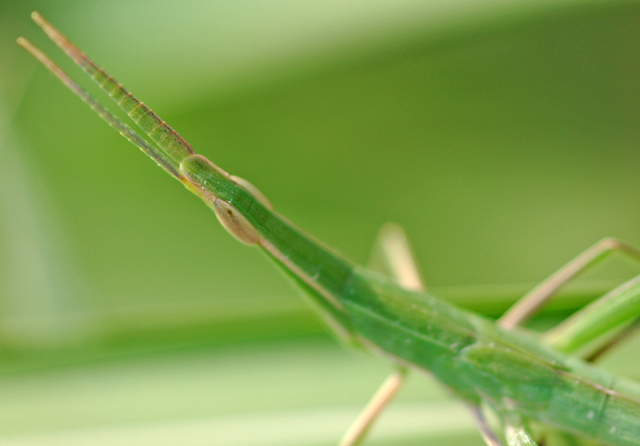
(393, 255)
(535, 299)
(488, 435)
(383, 396)
(611, 313)
(393, 251)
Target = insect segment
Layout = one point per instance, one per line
(514, 373)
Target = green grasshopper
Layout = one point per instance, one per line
(532, 383)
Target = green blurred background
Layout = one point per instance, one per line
(503, 135)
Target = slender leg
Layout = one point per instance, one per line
(516, 433)
(359, 428)
(599, 352)
(394, 250)
(487, 433)
(615, 310)
(531, 302)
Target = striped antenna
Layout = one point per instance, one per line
(159, 156)
(167, 138)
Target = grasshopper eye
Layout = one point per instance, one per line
(236, 223)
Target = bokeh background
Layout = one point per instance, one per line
(502, 134)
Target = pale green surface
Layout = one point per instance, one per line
(197, 396)
(516, 132)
